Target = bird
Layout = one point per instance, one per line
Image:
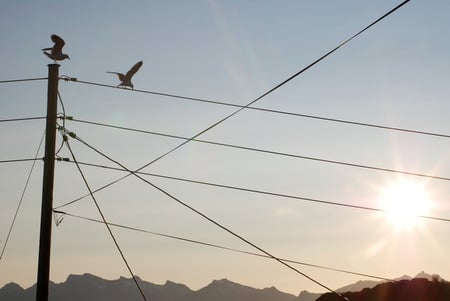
(126, 79)
(56, 53)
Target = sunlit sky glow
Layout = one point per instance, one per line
(396, 74)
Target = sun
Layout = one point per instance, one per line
(404, 202)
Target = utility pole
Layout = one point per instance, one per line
(43, 275)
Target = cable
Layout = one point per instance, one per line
(21, 119)
(364, 124)
(20, 160)
(222, 247)
(65, 141)
(62, 104)
(270, 193)
(234, 113)
(255, 100)
(208, 218)
(21, 197)
(269, 151)
(285, 112)
(104, 220)
(21, 80)
(63, 117)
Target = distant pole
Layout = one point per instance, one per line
(43, 275)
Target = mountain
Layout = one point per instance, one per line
(362, 284)
(354, 287)
(358, 286)
(307, 296)
(225, 290)
(11, 291)
(88, 287)
(416, 289)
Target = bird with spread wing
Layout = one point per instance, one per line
(56, 53)
(126, 79)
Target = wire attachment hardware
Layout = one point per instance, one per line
(58, 218)
(64, 159)
(68, 78)
(65, 117)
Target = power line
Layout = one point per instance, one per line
(269, 193)
(258, 98)
(329, 119)
(21, 119)
(221, 247)
(205, 216)
(22, 80)
(226, 118)
(268, 151)
(63, 117)
(20, 160)
(21, 198)
(104, 221)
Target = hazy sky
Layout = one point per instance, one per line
(396, 74)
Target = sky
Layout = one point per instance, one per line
(395, 75)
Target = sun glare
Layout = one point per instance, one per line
(404, 202)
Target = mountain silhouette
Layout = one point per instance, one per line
(225, 290)
(88, 287)
(417, 289)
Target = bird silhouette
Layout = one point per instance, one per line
(56, 53)
(126, 79)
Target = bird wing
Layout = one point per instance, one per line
(134, 69)
(120, 75)
(59, 43)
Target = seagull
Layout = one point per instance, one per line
(56, 51)
(126, 79)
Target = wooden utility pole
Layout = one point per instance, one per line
(43, 275)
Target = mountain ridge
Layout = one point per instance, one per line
(90, 287)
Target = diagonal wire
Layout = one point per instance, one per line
(276, 87)
(220, 247)
(105, 222)
(255, 100)
(208, 218)
(21, 197)
(231, 115)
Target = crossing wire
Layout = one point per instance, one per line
(258, 98)
(104, 220)
(179, 201)
(231, 115)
